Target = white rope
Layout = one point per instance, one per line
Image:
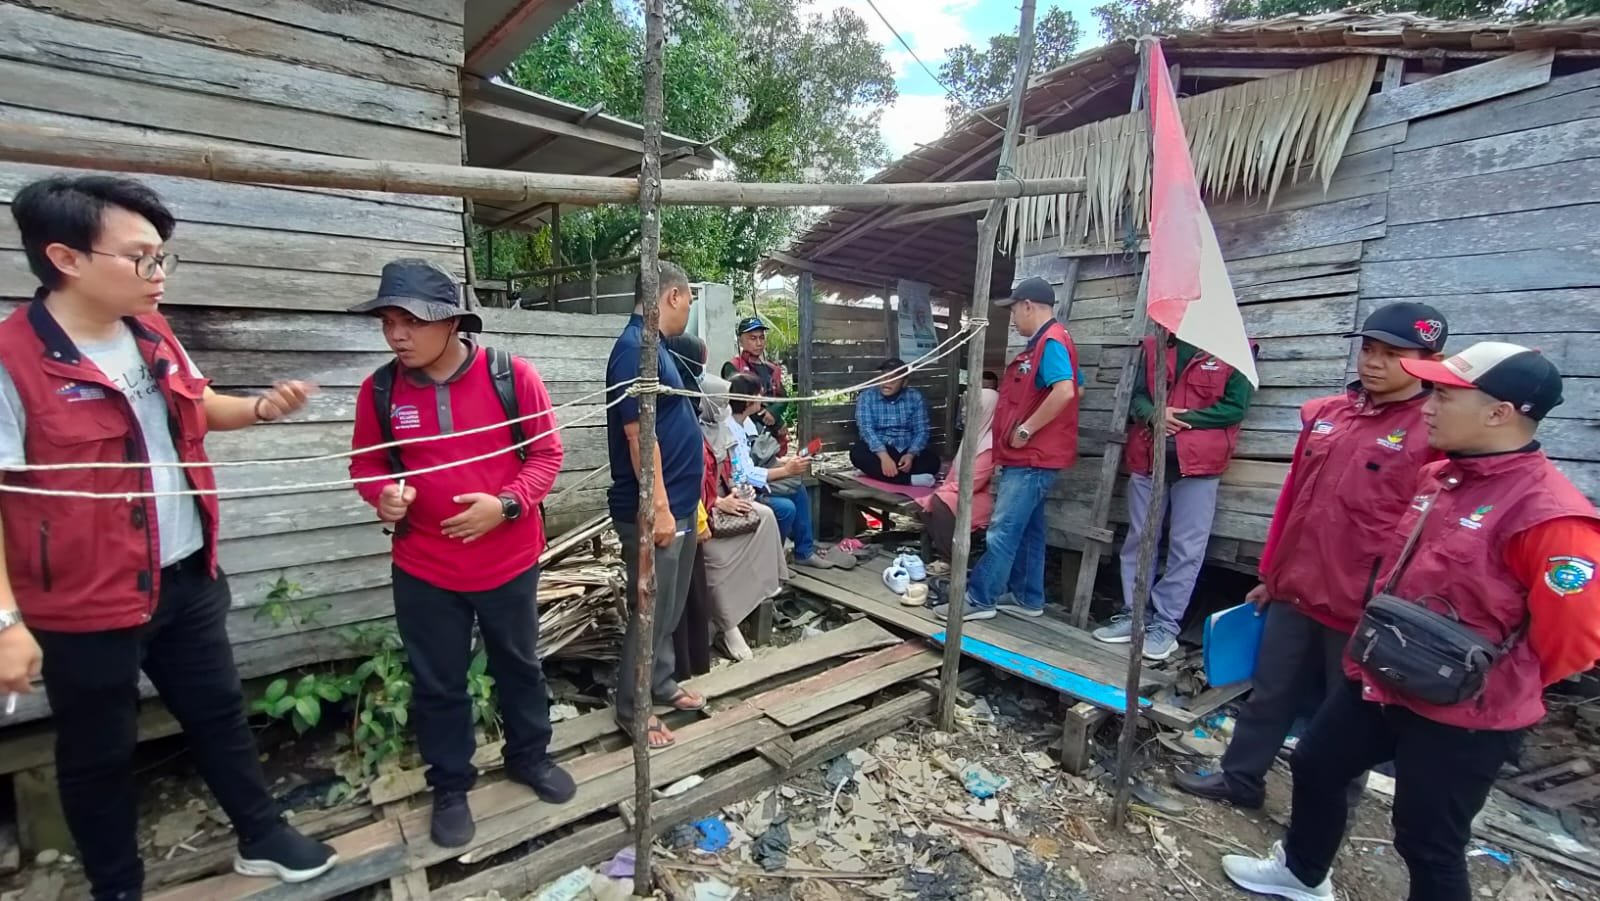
(635, 387)
(321, 458)
(302, 487)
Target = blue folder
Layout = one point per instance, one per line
(1231, 640)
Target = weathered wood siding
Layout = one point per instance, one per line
(851, 343)
(1485, 211)
(266, 270)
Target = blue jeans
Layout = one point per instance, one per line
(794, 520)
(1014, 560)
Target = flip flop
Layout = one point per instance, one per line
(657, 736)
(916, 595)
(679, 701)
(841, 559)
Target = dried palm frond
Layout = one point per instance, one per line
(1243, 140)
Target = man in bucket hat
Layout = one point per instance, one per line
(468, 537)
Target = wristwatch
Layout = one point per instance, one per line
(1023, 433)
(510, 507)
(9, 618)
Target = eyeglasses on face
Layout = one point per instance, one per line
(145, 264)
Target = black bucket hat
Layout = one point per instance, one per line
(424, 290)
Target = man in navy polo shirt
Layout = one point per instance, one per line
(677, 496)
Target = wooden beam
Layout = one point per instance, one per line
(943, 212)
(1457, 89)
(489, 109)
(1394, 73)
(805, 304)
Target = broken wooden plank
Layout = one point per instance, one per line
(815, 704)
(1453, 90)
(366, 856)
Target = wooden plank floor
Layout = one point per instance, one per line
(1048, 639)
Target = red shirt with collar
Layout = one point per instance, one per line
(467, 401)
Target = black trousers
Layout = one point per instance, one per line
(92, 682)
(436, 626)
(862, 458)
(1300, 664)
(941, 526)
(1442, 778)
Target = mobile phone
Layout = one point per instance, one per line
(812, 447)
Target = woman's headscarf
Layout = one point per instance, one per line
(689, 356)
(714, 417)
(981, 431)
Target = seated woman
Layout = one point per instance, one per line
(792, 505)
(734, 573)
(743, 569)
(941, 504)
(892, 421)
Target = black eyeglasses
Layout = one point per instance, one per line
(145, 264)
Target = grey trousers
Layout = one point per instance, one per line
(674, 569)
(1190, 503)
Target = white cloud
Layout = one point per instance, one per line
(930, 26)
(913, 119)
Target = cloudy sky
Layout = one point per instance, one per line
(931, 27)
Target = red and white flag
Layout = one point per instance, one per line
(1189, 291)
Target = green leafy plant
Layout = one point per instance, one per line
(302, 707)
(480, 687)
(285, 604)
(381, 686)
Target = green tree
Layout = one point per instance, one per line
(977, 78)
(1121, 20)
(784, 94)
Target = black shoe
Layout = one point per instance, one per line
(550, 782)
(286, 855)
(1216, 787)
(452, 824)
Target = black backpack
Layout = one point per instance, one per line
(505, 387)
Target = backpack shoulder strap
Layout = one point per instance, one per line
(382, 398)
(505, 387)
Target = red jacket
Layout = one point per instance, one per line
(1354, 473)
(770, 375)
(1479, 505)
(82, 564)
(1055, 444)
(422, 550)
(1201, 452)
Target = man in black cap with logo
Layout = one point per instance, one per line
(1351, 478)
(467, 536)
(752, 359)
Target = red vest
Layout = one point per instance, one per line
(1055, 444)
(81, 564)
(1355, 474)
(1478, 505)
(1201, 452)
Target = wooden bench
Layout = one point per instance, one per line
(855, 495)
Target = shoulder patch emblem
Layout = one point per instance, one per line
(1568, 575)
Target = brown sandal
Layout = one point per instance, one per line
(657, 736)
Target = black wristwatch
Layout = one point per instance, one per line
(510, 507)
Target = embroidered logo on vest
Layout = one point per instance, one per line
(73, 392)
(1322, 427)
(1568, 575)
(1474, 520)
(406, 416)
(1395, 440)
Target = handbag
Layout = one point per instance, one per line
(1419, 652)
(727, 525)
(764, 452)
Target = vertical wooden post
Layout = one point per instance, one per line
(594, 284)
(953, 371)
(891, 325)
(1394, 73)
(805, 306)
(555, 237)
(988, 232)
(650, 288)
(1148, 539)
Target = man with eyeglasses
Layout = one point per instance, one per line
(93, 590)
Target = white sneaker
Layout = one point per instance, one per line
(1271, 876)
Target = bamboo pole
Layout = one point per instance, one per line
(989, 231)
(1152, 523)
(650, 287)
(88, 149)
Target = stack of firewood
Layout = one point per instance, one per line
(581, 614)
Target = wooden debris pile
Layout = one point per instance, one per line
(581, 608)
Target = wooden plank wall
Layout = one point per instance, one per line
(851, 342)
(267, 270)
(1492, 215)
(1295, 271)
(1485, 212)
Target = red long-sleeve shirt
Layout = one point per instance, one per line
(1556, 560)
(466, 401)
